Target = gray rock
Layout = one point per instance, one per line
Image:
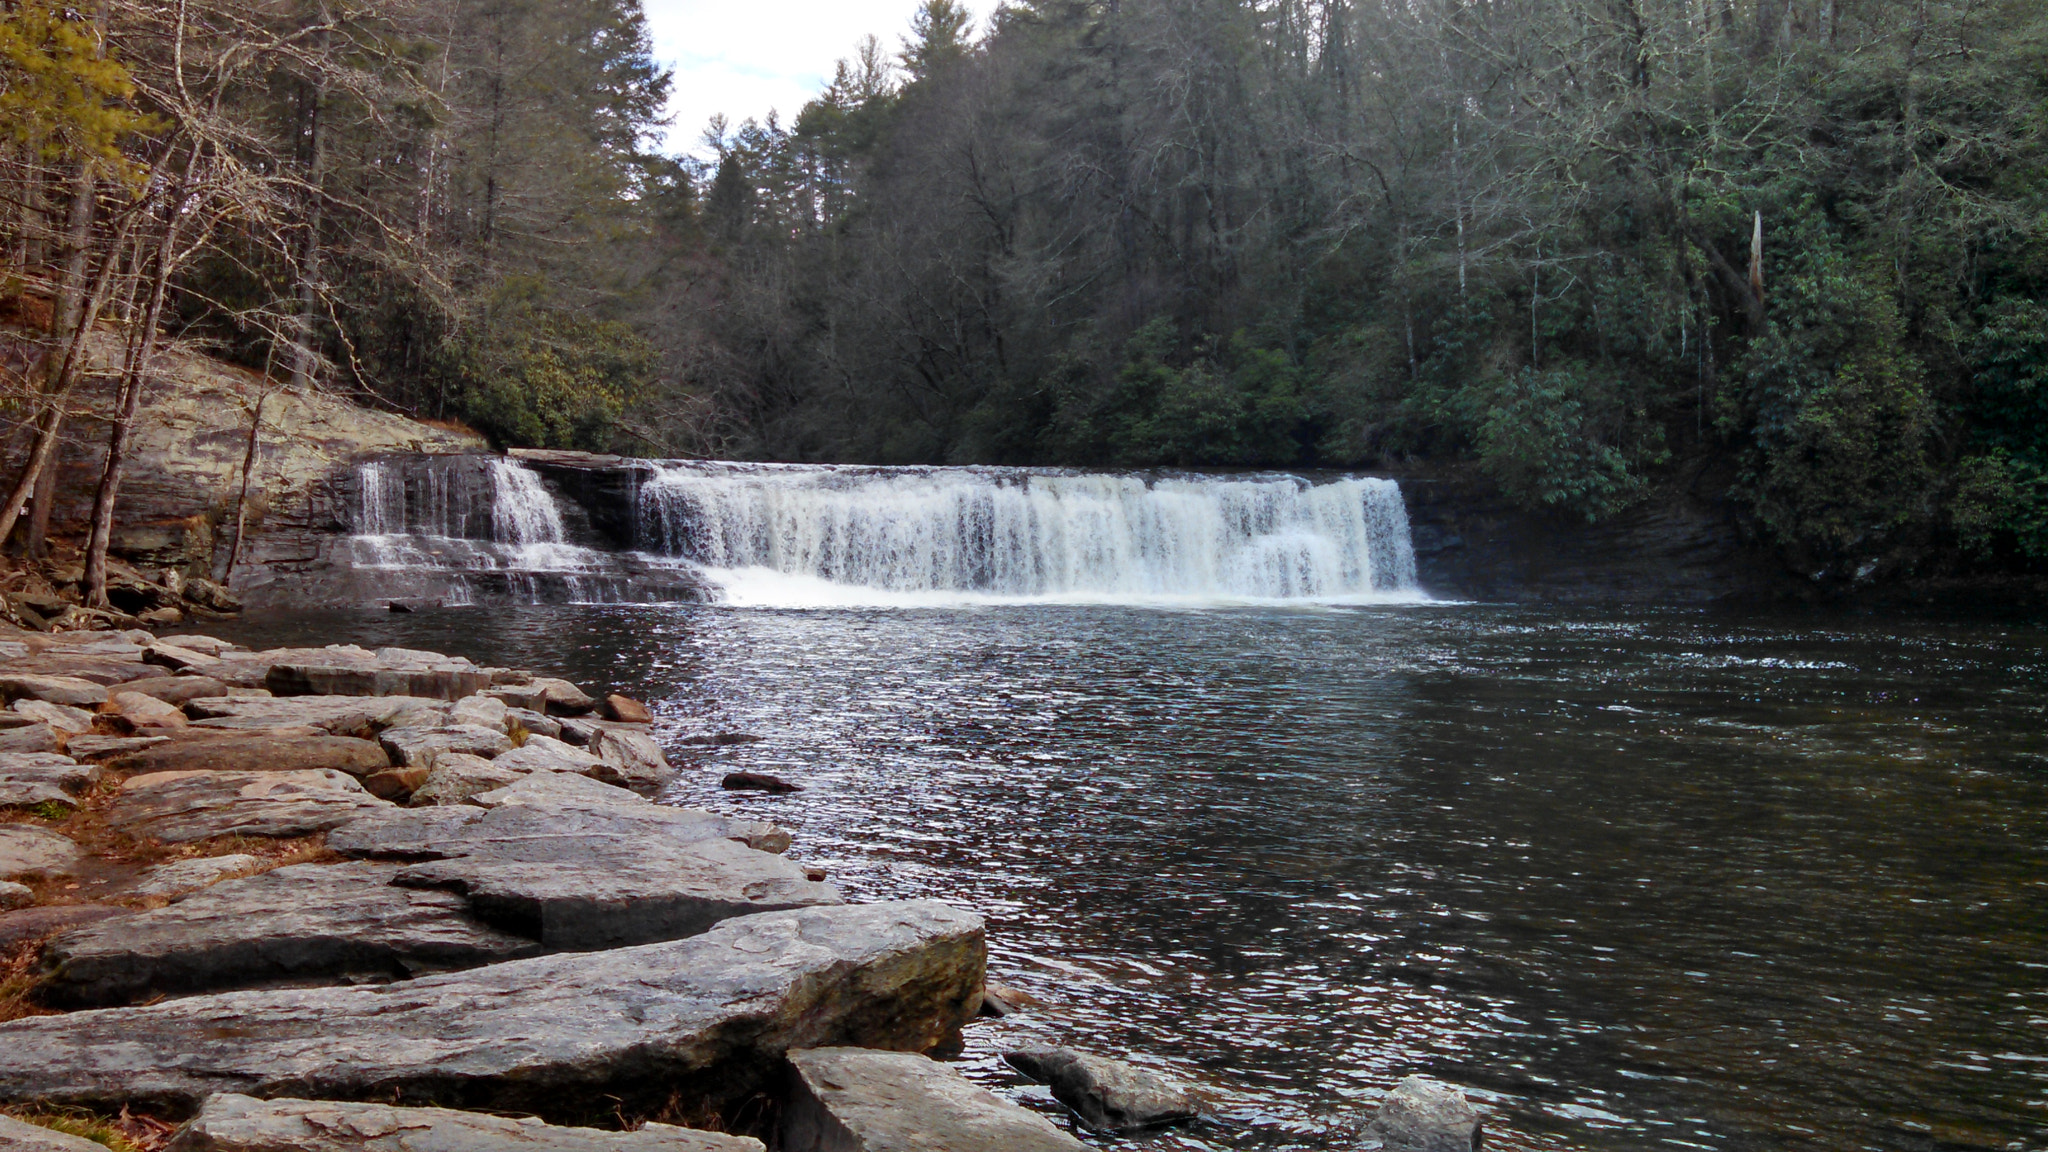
(565, 793)
(1424, 1115)
(26, 850)
(182, 876)
(630, 760)
(179, 690)
(480, 711)
(33, 738)
(137, 711)
(14, 896)
(62, 717)
(563, 698)
(34, 923)
(544, 754)
(701, 1022)
(231, 1123)
(306, 924)
(419, 747)
(340, 715)
(167, 654)
(180, 807)
(206, 644)
(55, 689)
(581, 730)
(95, 670)
(260, 753)
(528, 697)
(1107, 1095)
(855, 1100)
(21, 1136)
(537, 723)
(456, 778)
(104, 748)
(443, 683)
(28, 778)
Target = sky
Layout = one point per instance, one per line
(745, 57)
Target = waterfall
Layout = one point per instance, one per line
(789, 534)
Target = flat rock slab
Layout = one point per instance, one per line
(339, 715)
(56, 689)
(1107, 1095)
(26, 850)
(32, 738)
(43, 777)
(445, 683)
(577, 802)
(104, 748)
(306, 924)
(256, 753)
(30, 923)
(855, 1100)
(180, 807)
(182, 876)
(702, 1022)
(178, 690)
(457, 779)
(62, 717)
(232, 1123)
(418, 747)
(546, 754)
(17, 1136)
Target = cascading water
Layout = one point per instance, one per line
(785, 534)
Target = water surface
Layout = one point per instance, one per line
(1638, 880)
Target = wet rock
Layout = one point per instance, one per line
(701, 1022)
(181, 876)
(33, 923)
(62, 717)
(179, 690)
(28, 778)
(626, 710)
(418, 747)
(14, 896)
(856, 1100)
(232, 1123)
(542, 754)
(1106, 1095)
(103, 748)
(26, 850)
(180, 807)
(1424, 1115)
(31, 738)
(455, 778)
(536, 723)
(21, 1136)
(722, 739)
(56, 689)
(141, 713)
(480, 712)
(758, 781)
(305, 924)
(259, 753)
(630, 760)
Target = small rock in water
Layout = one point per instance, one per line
(814, 873)
(1424, 1115)
(627, 710)
(723, 739)
(999, 1000)
(758, 781)
(1106, 1095)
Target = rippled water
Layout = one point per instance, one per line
(1645, 880)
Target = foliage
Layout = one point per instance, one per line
(535, 376)
(61, 92)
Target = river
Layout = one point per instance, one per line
(1635, 879)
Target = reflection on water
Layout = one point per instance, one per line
(1652, 880)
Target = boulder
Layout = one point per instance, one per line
(141, 713)
(1424, 1115)
(13, 895)
(626, 710)
(1107, 1095)
(444, 683)
(33, 923)
(305, 924)
(455, 778)
(91, 669)
(179, 690)
(480, 712)
(223, 752)
(759, 782)
(630, 760)
(56, 689)
(696, 1023)
(543, 754)
(33, 738)
(856, 1100)
(180, 807)
(28, 778)
(562, 698)
(233, 1123)
(536, 723)
(181, 876)
(62, 717)
(528, 697)
(26, 850)
(21, 1136)
(417, 747)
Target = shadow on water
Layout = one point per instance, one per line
(1661, 879)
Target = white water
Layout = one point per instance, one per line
(803, 536)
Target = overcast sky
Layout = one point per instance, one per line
(745, 58)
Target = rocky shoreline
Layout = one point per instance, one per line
(331, 898)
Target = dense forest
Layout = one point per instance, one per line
(1791, 253)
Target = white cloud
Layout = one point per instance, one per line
(744, 59)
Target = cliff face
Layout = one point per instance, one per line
(178, 497)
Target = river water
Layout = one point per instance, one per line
(1649, 879)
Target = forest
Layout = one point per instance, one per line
(1787, 255)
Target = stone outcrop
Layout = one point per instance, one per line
(1106, 1095)
(701, 1022)
(1424, 1115)
(306, 924)
(179, 807)
(233, 1123)
(855, 1100)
